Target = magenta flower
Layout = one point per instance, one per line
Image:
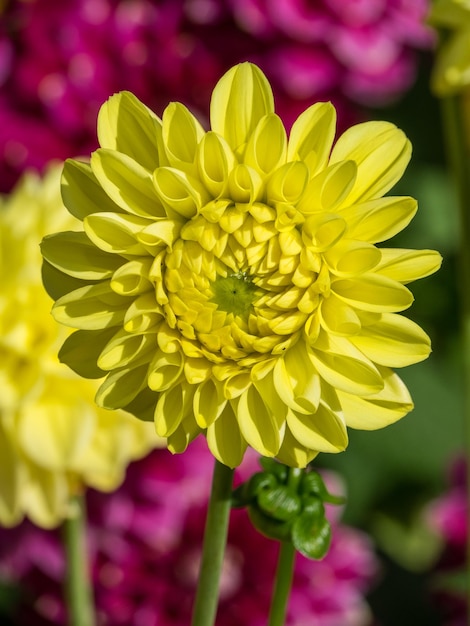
(59, 61)
(145, 544)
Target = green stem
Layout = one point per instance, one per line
(215, 538)
(282, 584)
(456, 122)
(285, 567)
(77, 582)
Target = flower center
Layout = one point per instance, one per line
(234, 294)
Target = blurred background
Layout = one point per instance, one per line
(401, 558)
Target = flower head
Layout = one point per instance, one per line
(451, 72)
(53, 438)
(227, 281)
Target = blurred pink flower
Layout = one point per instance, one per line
(59, 61)
(145, 544)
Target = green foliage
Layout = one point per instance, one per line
(287, 504)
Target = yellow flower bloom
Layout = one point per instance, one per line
(53, 438)
(451, 72)
(227, 282)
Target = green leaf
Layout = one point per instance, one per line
(311, 535)
(269, 527)
(280, 503)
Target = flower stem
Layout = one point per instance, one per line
(215, 538)
(77, 582)
(456, 122)
(285, 567)
(282, 584)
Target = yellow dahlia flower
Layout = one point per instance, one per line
(53, 438)
(451, 72)
(227, 282)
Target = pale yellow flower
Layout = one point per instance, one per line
(451, 72)
(53, 437)
(228, 282)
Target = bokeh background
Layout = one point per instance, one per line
(373, 58)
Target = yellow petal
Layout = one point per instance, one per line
(93, 307)
(181, 135)
(80, 351)
(82, 193)
(179, 194)
(74, 254)
(381, 152)
(287, 183)
(215, 161)
(127, 183)
(323, 431)
(373, 292)
(408, 265)
(349, 257)
(124, 348)
(345, 367)
(208, 403)
(132, 278)
(311, 136)
(267, 147)
(225, 440)
(328, 189)
(381, 219)
(293, 453)
(239, 100)
(126, 125)
(172, 407)
(394, 341)
(379, 410)
(116, 232)
(257, 423)
(121, 387)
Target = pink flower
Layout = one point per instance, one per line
(59, 61)
(145, 545)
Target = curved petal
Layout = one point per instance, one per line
(93, 307)
(127, 183)
(126, 125)
(311, 136)
(406, 265)
(240, 99)
(373, 292)
(293, 453)
(381, 152)
(225, 440)
(379, 410)
(394, 341)
(379, 220)
(182, 133)
(74, 254)
(82, 193)
(345, 367)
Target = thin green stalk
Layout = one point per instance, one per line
(285, 567)
(215, 538)
(78, 590)
(282, 584)
(456, 122)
